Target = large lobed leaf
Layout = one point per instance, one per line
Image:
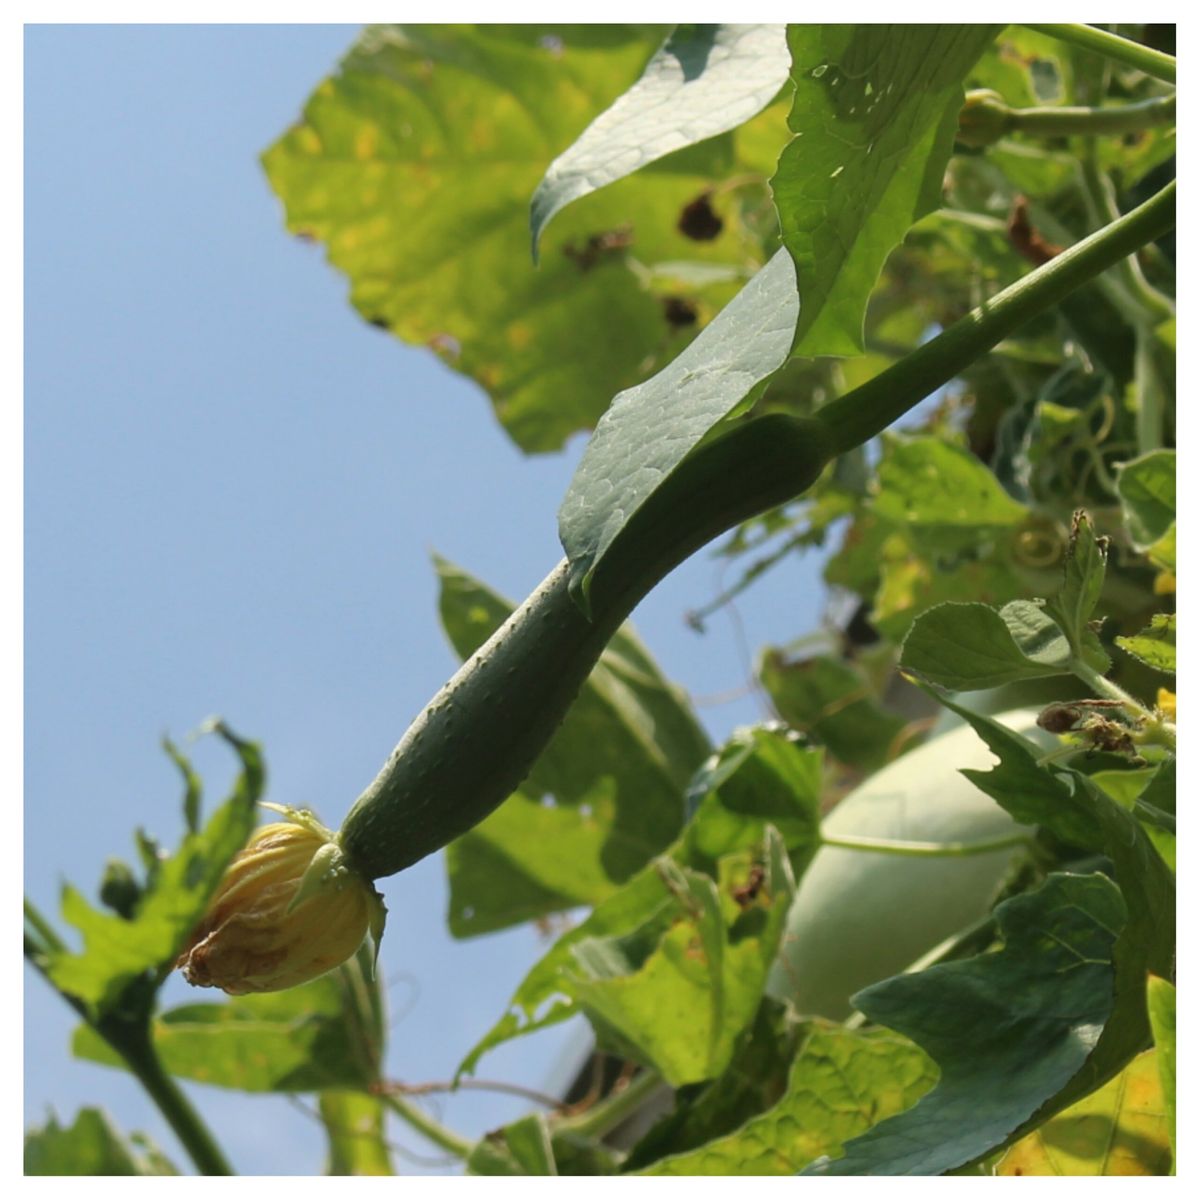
(704, 80)
(414, 165)
(118, 951)
(1006, 1029)
(873, 119)
(761, 782)
(604, 797)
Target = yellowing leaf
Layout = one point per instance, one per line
(1121, 1129)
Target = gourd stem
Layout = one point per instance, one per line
(1132, 54)
(925, 849)
(425, 1125)
(866, 411)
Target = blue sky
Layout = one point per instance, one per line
(232, 489)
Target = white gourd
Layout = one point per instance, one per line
(861, 916)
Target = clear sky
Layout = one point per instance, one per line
(233, 485)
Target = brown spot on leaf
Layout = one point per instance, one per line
(679, 311)
(699, 221)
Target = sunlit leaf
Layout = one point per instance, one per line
(414, 165)
(762, 778)
(705, 79)
(1160, 1000)
(841, 1082)
(648, 430)
(873, 119)
(118, 951)
(1121, 1129)
(1155, 645)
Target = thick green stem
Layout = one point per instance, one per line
(867, 410)
(142, 1059)
(1132, 54)
(925, 849)
(427, 1127)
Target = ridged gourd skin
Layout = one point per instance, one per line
(480, 735)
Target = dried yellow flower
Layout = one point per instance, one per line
(287, 910)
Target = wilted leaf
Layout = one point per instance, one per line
(705, 79)
(874, 116)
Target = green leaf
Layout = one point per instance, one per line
(681, 1008)
(356, 1128)
(1147, 490)
(1083, 578)
(1160, 1001)
(754, 1081)
(942, 490)
(301, 1040)
(966, 647)
(705, 79)
(91, 1146)
(1076, 811)
(522, 1148)
(648, 430)
(762, 778)
(117, 951)
(1120, 1129)
(1155, 645)
(873, 118)
(1006, 1029)
(831, 700)
(615, 773)
(841, 1082)
(414, 165)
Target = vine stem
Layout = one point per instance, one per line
(427, 1126)
(926, 849)
(138, 1051)
(1132, 54)
(1062, 121)
(611, 1111)
(869, 409)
